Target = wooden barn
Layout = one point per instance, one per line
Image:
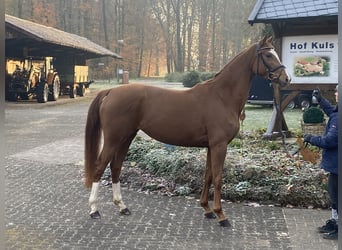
(31, 44)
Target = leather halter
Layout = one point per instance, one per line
(269, 70)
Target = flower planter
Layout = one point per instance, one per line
(313, 128)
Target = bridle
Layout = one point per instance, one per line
(269, 69)
(273, 79)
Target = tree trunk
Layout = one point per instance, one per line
(163, 15)
(213, 36)
(179, 55)
(104, 23)
(190, 39)
(141, 47)
(203, 36)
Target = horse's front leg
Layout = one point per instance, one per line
(218, 155)
(208, 212)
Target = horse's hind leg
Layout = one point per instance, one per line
(94, 212)
(116, 166)
(104, 159)
(208, 212)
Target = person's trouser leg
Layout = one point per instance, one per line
(333, 194)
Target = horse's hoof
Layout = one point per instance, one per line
(125, 212)
(224, 223)
(210, 215)
(95, 215)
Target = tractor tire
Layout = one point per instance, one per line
(81, 89)
(55, 89)
(42, 92)
(73, 91)
(26, 96)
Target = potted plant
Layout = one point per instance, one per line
(313, 121)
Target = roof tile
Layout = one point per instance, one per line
(56, 36)
(283, 9)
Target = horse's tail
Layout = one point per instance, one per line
(92, 138)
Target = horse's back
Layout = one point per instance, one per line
(132, 96)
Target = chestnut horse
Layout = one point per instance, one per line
(206, 115)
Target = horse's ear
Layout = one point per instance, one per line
(263, 41)
(269, 40)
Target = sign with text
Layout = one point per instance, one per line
(311, 59)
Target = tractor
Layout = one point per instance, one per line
(32, 78)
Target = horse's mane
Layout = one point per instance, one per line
(232, 60)
(229, 63)
(224, 67)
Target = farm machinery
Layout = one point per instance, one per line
(31, 78)
(74, 80)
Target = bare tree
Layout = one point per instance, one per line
(163, 13)
(213, 35)
(159, 35)
(190, 20)
(203, 35)
(104, 21)
(179, 65)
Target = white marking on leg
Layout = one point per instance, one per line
(93, 197)
(117, 198)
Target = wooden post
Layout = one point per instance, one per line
(277, 125)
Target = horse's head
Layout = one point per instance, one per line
(268, 64)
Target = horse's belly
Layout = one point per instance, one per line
(177, 136)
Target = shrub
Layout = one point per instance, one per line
(174, 77)
(191, 78)
(313, 115)
(256, 172)
(207, 75)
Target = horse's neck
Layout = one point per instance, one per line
(232, 84)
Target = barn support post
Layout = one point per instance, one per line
(277, 126)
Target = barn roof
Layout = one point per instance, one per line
(26, 37)
(267, 11)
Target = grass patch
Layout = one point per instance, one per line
(258, 118)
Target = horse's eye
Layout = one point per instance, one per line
(269, 55)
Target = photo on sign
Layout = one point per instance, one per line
(312, 66)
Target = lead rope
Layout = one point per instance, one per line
(283, 135)
(242, 118)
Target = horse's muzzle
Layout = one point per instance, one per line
(283, 79)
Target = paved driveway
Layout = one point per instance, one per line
(47, 204)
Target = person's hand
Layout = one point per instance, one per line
(317, 94)
(307, 138)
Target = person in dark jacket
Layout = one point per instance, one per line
(328, 142)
